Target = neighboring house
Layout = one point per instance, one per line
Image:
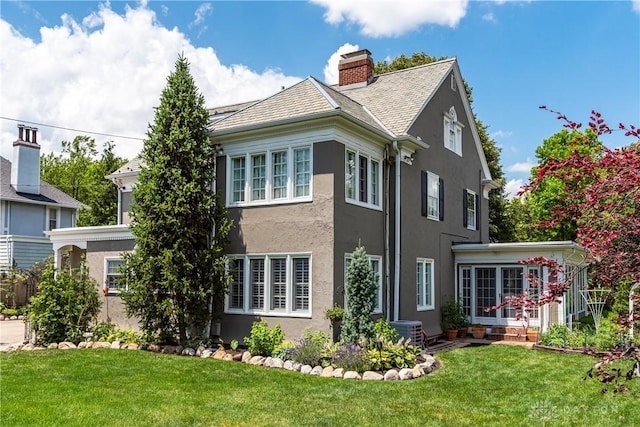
(392, 162)
(29, 206)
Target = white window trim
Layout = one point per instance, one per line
(431, 262)
(471, 226)
(248, 177)
(111, 291)
(356, 200)
(449, 118)
(378, 308)
(433, 177)
(48, 217)
(290, 296)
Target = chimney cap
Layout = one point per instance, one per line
(356, 53)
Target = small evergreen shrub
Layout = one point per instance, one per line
(263, 339)
(361, 289)
(351, 357)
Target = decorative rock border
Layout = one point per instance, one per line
(5, 317)
(427, 364)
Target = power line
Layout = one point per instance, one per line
(71, 129)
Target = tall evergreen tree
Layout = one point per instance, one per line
(177, 275)
(361, 288)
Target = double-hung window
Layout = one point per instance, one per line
(52, 218)
(452, 132)
(470, 210)
(362, 179)
(376, 266)
(276, 176)
(258, 177)
(432, 196)
(278, 285)
(238, 179)
(280, 174)
(424, 284)
(113, 277)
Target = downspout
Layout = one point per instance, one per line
(387, 268)
(396, 272)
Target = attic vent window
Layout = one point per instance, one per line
(453, 132)
(454, 85)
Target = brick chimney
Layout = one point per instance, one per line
(25, 167)
(355, 68)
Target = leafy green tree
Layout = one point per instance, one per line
(66, 304)
(360, 289)
(78, 173)
(501, 226)
(550, 190)
(177, 274)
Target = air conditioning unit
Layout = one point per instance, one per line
(411, 329)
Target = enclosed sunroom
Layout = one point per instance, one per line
(488, 273)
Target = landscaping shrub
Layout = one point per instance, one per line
(311, 348)
(394, 355)
(556, 336)
(263, 339)
(107, 331)
(65, 305)
(351, 357)
(283, 350)
(361, 289)
(103, 330)
(10, 311)
(383, 331)
(608, 335)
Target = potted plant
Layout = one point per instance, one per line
(533, 334)
(478, 331)
(452, 320)
(463, 328)
(334, 314)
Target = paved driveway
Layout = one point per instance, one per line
(11, 332)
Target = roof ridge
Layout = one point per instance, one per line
(260, 101)
(453, 59)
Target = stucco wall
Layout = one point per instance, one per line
(426, 238)
(112, 306)
(292, 228)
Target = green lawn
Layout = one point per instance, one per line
(479, 386)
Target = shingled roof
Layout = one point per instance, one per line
(390, 103)
(49, 194)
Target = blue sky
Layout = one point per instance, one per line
(100, 66)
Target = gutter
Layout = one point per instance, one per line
(396, 270)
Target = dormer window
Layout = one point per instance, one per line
(452, 132)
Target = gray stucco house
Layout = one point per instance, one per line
(29, 206)
(393, 162)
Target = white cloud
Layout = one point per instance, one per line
(202, 12)
(386, 18)
(512, 187)
(489, 17)
(331, 69)
(524, 167)
(501, 134)
(635, 5)
(106, 75)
